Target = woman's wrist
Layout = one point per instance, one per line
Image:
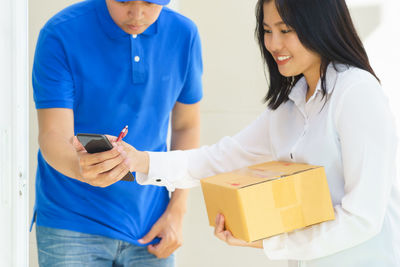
(144, 162)
(257, 244)
(138, 161)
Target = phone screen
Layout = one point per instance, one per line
(95, 143)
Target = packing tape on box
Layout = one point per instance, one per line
(284, 193)
(285, 198)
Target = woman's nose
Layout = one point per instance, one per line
(273, 43)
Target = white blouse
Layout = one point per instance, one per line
(351, 133)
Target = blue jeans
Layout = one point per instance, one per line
(63, 248)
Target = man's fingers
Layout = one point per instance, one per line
(107, 178)
(153, 249)
(92, 159)
(163, 249)
(117, 173)
(77, 145)
(160, 250)
(104, 168)
(150, 235)
(108, 165)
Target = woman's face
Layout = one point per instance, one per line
(282, 42)
(134, 17)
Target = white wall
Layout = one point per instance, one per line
(5, 134)
(234, 86)
(13, 133)
(379, 20)
(383, 49)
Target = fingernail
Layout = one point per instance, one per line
(140, 241)
(217, 219)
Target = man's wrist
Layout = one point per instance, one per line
(178, 202)
(177, 209)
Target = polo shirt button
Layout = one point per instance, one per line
(137, 58)
(134, 36)
(158, 180)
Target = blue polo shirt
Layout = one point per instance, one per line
(110, 79)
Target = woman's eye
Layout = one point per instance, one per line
(286, 31)
(267, 31)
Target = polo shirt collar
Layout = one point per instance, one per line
(111, 28)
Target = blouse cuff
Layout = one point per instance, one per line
(167, 169)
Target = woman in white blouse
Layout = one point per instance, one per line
(325, 107)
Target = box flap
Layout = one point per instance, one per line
(257, 174)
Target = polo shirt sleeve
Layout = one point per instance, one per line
(52, 81)
(192, 91)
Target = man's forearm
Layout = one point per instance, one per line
(59, 152)
(183, 140)
(56, 130)
(178, 202)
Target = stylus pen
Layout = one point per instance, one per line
(122, 133)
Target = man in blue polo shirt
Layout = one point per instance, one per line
(100, 65)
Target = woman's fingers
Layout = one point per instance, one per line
(225, 235)
(220, 227)
(111, 138)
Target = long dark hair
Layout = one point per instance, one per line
(322, 26)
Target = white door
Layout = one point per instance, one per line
(13, 133)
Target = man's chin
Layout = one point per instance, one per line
(134, 30)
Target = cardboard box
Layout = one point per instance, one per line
(268, 199)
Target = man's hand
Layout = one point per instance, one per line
(104, 168)
(169, 229)
(226, 236)
(185, 124)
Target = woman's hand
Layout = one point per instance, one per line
(137, 161)
(226, 236)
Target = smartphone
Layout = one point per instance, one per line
(95, 143)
